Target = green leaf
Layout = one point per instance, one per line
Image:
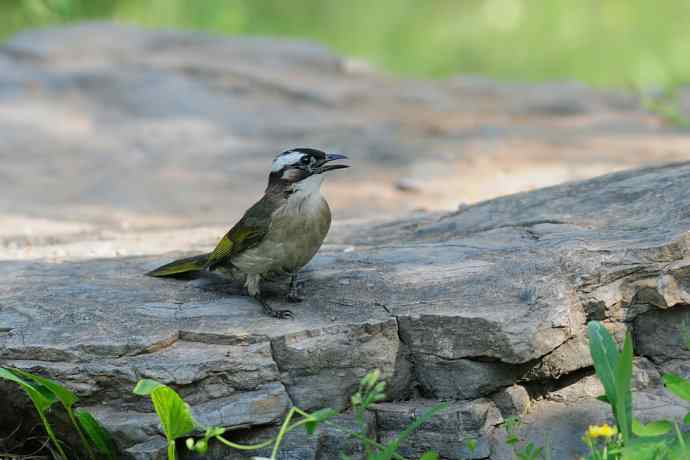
(65, 396)
(146, 386)
(646, 448)
(369, 380)
(214, 431)
(41, 398)
(623, 408)
(686, 419)
(96, 433)
(174, 413)
(429, 455)
(605, 358)
(655, 428)
(677, 385)
(512, 439)
(602, 398)
(318, 417)
(472, 444)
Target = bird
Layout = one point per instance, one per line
(278, 235)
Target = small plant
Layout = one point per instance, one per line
(630, 439)
(44, 393)
(527, 451)
(178, 422)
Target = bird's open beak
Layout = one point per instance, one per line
(323, 167)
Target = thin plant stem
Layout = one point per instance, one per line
(282, 432)
(242, 446)
(51, 434)
(681, 441)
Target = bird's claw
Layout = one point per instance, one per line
(280, 314)
(283, 314)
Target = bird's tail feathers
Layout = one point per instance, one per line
(182, 267)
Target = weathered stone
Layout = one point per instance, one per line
(662, 335)
(463, 378)
(323, 368)
(513, 401)
(645, 375)
(447, 432)
(586, 388)
(453, 305)
(571, 356)
(153, 449)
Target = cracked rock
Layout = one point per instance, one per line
(447, 305)
(447, 433)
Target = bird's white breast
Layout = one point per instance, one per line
(297, 231)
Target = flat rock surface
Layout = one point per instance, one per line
(125, 148)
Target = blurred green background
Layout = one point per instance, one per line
(610, 43)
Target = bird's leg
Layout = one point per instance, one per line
(252, 285)
(294, 291)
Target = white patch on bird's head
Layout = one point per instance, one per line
(286, 159)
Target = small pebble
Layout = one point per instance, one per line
(406, 184)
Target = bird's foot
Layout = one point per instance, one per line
(280, 314)
(294, 297)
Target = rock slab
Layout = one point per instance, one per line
(484, 307)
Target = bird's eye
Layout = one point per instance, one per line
(305, 160)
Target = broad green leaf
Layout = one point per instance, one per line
(686, 419)
(602, 398)
(66, 397)
(96, 433)
(174, 413)
(655, 428)
(41, 399)
(677, 385)
(623, 376)
(605, 358)
(318, 417)
(645, 448)
(146, 386)
(429, 455)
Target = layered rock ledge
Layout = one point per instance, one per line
(458, 307)
(121, 146)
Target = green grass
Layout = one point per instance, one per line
(620, 43)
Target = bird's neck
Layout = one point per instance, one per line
(309, 186)
(302, 189)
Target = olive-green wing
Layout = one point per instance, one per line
(246, 234)
(233, 243)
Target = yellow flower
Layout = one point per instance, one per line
(600, 431)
